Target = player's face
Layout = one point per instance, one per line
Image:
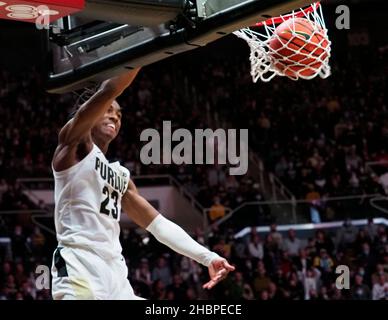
(110, 123)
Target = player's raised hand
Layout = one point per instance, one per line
(218, 271)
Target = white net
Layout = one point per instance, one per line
(301, 54)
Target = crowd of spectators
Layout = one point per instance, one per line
(335, 126)
(269, 266)
(24, 247)
(316, 136)
(277, 265)
(27, 149)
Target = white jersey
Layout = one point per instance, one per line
(88, 204)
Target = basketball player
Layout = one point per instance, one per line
(89, 194)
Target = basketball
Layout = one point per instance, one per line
(298, 48)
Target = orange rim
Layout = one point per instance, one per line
(279, 20)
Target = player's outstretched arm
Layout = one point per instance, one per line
(173, 236)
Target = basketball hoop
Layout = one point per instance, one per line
(265, 62)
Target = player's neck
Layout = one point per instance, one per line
(103, 145)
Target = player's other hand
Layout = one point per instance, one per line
(218, 271)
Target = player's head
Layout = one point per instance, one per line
(108, 126)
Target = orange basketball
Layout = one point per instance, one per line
(298, 47)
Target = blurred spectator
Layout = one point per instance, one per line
(159, 290)
(261, 280)
(264, 295)
(223, 247)
(285, 263)
(273, 292)
(18, 242)
(347, 234)
(28, 290)
(322, 241)
(371, 229)
(362, 237)
(20, 276)
(240, 251)
(255, 248)
(379, 271)
(323, 294)
(381, 240)
(337, 294)
(10, 285)
(276, 236)
(323, 262)
(162, 272)
(311, 283)
(178, 287)
(38, 242)
(142, 273)
(279, 277)
(292, 244)
(360, 291)
(380, 289)
(303, 262)
(367, 258)
(217, 210)
(191, 294)
(237, 289)
(190, 270)
(385, 261)
(294, 289)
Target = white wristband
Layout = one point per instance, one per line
(178, 240)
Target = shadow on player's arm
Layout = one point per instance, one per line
(143, 214)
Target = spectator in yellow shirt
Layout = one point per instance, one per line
(323, 262)
(217, 210)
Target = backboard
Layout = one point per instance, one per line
(110, 37)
